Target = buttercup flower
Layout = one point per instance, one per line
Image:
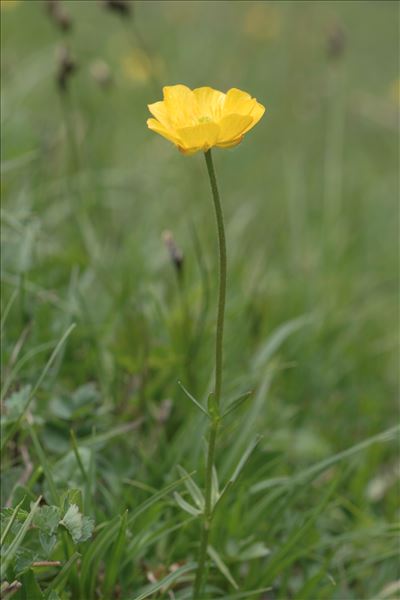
(202, 118)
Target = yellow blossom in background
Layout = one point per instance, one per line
(6, 4)
(138, 67)
(262, 22)
(200, 119)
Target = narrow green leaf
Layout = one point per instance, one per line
(241, 464)
(165, 582)
(10, 522)
(12, 549)
(237, 403)
(99, 546)
(113, 564)
(192, 488)
(277, 338)
(7, 309)
(63, 574)
(293, 549)
(77, 455)
(186, 506)
(11, 432)
(44, 464)
(245, 595)
(30, 586)
(193, 399)
(221, 566)
(245, 457)
(318, 468)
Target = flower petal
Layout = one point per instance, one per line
(159, 111)
(230, 144)
(210, 102)
(256, 115)
(232, 127)
(181, 105)
(200, 137)
(156, 126)
(238, 102)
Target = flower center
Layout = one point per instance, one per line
(205, 120)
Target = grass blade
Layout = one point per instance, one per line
(55, 499)
(10, 522)
(165, 582)
(222, 566)
(193, 399)
(12, 549)
(113, 565)
(63, 574)
(38, 383)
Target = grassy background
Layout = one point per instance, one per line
(310, 204)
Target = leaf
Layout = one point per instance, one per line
(15, 404)
(12, 549)
(237, 403)
(44, 464)
(248, 425)
(165, 582)
(31, 587)
(79, 527)
(256, 550)
(193, 399)
(192, 488)
(87, 528)
(23, 559)
(53, 596)
(100, 544)
(72, 521)
(278, 337)
(63, 574)
(221, 566)
(315, 470)
(246, 595)
(67, 473)
(241, 464)
(47, 542)
(12, 515)
(186, 506)
(47, 519)
(293, 548)
(15, 426)
(112, 568)
(77, 404)
(72, 496)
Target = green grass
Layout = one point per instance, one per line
(97, 330)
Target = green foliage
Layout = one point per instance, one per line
(102, 453)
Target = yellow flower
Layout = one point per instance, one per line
(199, 119)
(137, 67)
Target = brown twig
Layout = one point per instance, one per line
(46, 563)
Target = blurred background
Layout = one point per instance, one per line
(310, 199)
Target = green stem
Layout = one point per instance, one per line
(208, 508)
(222, 277)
